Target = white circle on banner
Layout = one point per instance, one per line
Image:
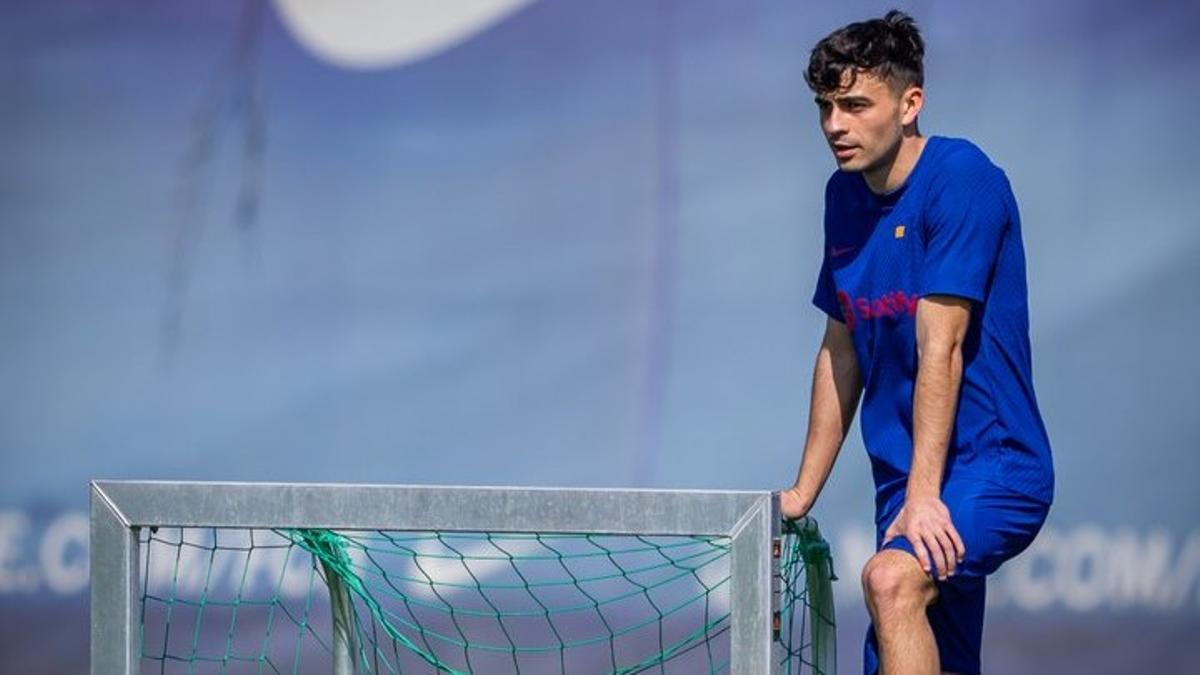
(372, 34)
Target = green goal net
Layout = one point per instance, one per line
(238, 600)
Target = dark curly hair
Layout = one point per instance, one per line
(891, 48)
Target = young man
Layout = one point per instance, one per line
(923, 280)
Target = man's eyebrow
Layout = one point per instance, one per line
(841, 99)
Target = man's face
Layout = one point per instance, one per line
(864, 121)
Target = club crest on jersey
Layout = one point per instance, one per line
(898, 232)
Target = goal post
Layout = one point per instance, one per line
(121, 511)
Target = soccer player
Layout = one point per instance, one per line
(923, 281)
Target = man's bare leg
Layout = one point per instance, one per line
(898, 591)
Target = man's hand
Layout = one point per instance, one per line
(925, 521)
(792, 505)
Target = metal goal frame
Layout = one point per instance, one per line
(750, 519)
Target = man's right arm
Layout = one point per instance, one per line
(837, 386)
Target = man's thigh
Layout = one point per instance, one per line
(995, 524)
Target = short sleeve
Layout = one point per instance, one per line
(825, 297)
(964, 230)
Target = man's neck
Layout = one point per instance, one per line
(892, 175)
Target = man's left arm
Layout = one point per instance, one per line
(967, 222)
(942, 322)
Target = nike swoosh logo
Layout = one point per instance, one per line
(838, 252)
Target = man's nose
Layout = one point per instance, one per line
(834, 123)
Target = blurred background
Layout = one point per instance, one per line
(568, 244)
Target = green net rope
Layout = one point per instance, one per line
(217, 600)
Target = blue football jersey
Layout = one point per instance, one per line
(951, 229)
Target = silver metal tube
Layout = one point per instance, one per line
(114, 591)
(345, 645)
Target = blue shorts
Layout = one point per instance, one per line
(995, 524)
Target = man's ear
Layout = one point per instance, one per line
(911, 102)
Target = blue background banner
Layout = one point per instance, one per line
(568, 243)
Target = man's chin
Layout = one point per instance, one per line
(849, 165)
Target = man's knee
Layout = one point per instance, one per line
(894, 581)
